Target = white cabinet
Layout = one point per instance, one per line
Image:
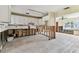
(15, 19)
(4, 13)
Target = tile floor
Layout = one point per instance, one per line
(64, 43)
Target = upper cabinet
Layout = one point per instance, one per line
(5, 13)
(15, 19)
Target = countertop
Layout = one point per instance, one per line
(5, 27)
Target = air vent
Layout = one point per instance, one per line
(66, 8)
(27, 13)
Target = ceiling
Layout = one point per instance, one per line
(37, 10)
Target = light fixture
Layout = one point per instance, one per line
(66, 8)
(27, 11)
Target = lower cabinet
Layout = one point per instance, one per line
(21, 32)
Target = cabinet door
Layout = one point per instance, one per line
(4, 13)
(17, 19)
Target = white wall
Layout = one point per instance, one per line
(23, 20)
(51, 19)
(41, 22)
(4, 13)
(60, 22)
